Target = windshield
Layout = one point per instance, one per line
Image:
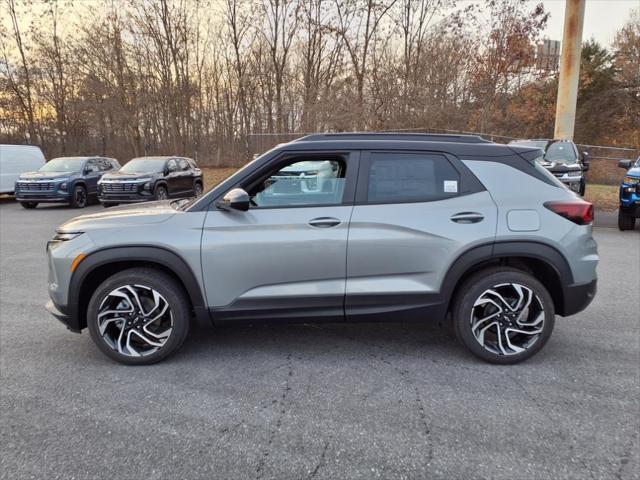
(63, 164)
(561, 152)
(144, 165)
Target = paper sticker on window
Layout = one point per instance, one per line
(450, 186)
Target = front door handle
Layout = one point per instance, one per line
(467, 217)
(324, 222)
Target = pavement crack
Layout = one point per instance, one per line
(625, 457)
(281, 413)
(320, 460)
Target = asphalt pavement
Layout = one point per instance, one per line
(334, 401)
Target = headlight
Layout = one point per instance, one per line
(147, 186)
(63, 186)
(66, 236)
(575, 173)
(61, 237)
(631, 180)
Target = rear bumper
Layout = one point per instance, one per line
(59, 313)
(578, 297)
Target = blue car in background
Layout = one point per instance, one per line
(629, 195)
(71, 180)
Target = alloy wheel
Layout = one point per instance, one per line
(161, 194)
(80, 197)
(507, 319)
(135, 320)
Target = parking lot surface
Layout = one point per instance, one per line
(316, 401)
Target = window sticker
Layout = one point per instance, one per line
(450, 186)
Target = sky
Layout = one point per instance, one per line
(602, 18)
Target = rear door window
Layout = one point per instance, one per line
(399, 177)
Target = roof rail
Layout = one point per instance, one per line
(426, 137)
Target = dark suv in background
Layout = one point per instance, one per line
(563, 159)
(151, 178)
(72, 180)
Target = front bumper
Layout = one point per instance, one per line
(61, 315)
(125, 198)
(578, 297)
(43, 197)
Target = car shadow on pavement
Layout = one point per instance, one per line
(419, 339)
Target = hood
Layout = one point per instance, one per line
(126, 215)
(45, 175)
(633, 172)
(127, 176)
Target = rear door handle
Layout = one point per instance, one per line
(324, 222)
(467, 217)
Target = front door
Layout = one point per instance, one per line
(173, 177)
(92, 173)
(285, 258)
(415, 213)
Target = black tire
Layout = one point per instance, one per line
(472, 290)
(197, 189)
(79, 197)
(109, 204)
(171, 291)
(626, 222)
(161, 193)
(29, 205)
(583, 188)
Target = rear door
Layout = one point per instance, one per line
(415, 213)
(186, 176)
(286, 256)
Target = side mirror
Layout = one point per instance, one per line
(586, 160)
(236, 199)
(626, 164)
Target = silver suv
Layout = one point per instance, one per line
(338, 227)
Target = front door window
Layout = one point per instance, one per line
(302, 183)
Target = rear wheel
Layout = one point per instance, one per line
(626, 222)
(29, 205)
(138, 316)
(503, 315)
(79, 197)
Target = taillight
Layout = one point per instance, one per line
(578, 211)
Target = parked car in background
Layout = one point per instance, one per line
(151, 178)
(563, 159)
(72, 180)
(404, 227)
(16, 160)
(629, 208)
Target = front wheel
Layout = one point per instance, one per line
(79, 197)
(29, 205)
(503, 315)
(197, 189)
(138, 316)
(583, 188)
(161, 193)
(626, 222)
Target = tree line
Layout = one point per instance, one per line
(202, 77)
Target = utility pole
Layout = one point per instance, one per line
(569, 69)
